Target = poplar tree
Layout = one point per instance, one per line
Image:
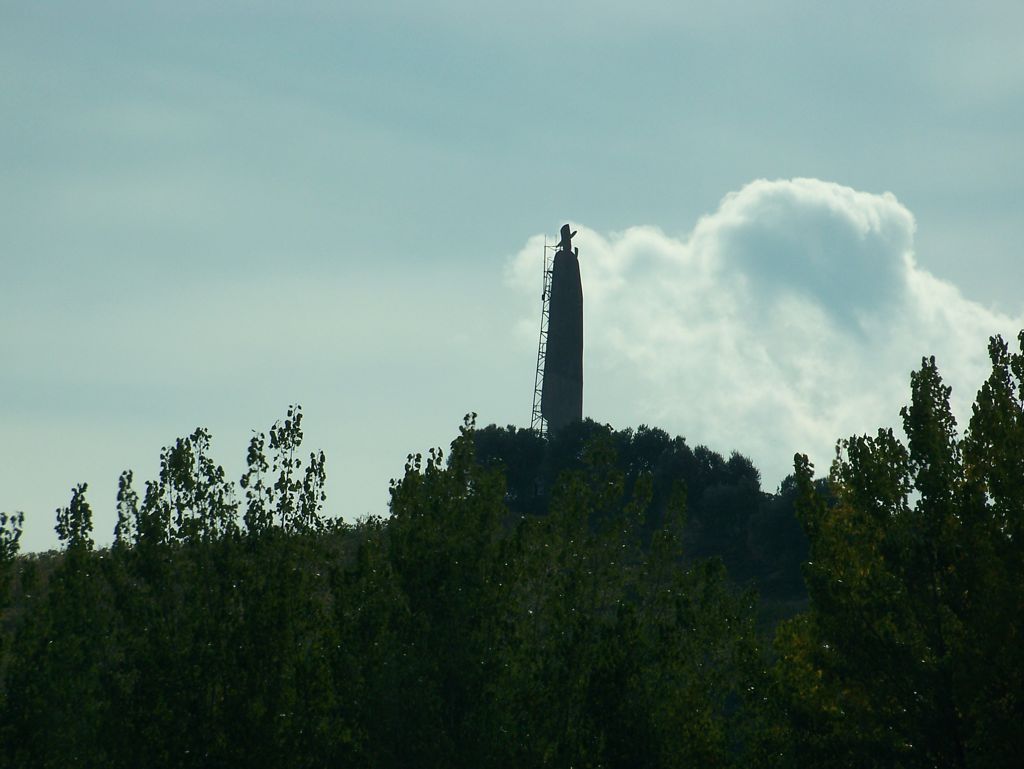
(911, 653)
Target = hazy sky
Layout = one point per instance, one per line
(209, 211)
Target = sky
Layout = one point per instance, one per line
(211, 211)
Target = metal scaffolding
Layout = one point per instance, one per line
(537, 421)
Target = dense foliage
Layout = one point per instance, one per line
(912, 654)
(728, 516)
(538, 604)
(219, 631)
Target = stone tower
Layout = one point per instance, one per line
(562, 396)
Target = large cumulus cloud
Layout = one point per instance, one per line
(788, 318)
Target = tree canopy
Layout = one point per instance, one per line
(911, 652)
(583, 601)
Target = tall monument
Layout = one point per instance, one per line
(562, 395)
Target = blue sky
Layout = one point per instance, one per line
(209, 211)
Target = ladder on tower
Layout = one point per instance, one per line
(537, 421)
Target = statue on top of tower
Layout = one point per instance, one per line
(562, 394)
(565, 244)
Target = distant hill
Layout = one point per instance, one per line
(728, 515)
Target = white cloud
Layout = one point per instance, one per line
(790, 317)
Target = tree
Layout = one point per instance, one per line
(456, 632)
(57, 712)
(10, 532)
(728, 516)
(443, 541)
(616, 653)
(295, 498)
(911, 654)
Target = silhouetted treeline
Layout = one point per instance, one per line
(226, 632)
(554, 619)
(728, 516)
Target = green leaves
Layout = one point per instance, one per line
(914, 577)
(74, 522)
(11, 525)
(277, 489)
(456, 632)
